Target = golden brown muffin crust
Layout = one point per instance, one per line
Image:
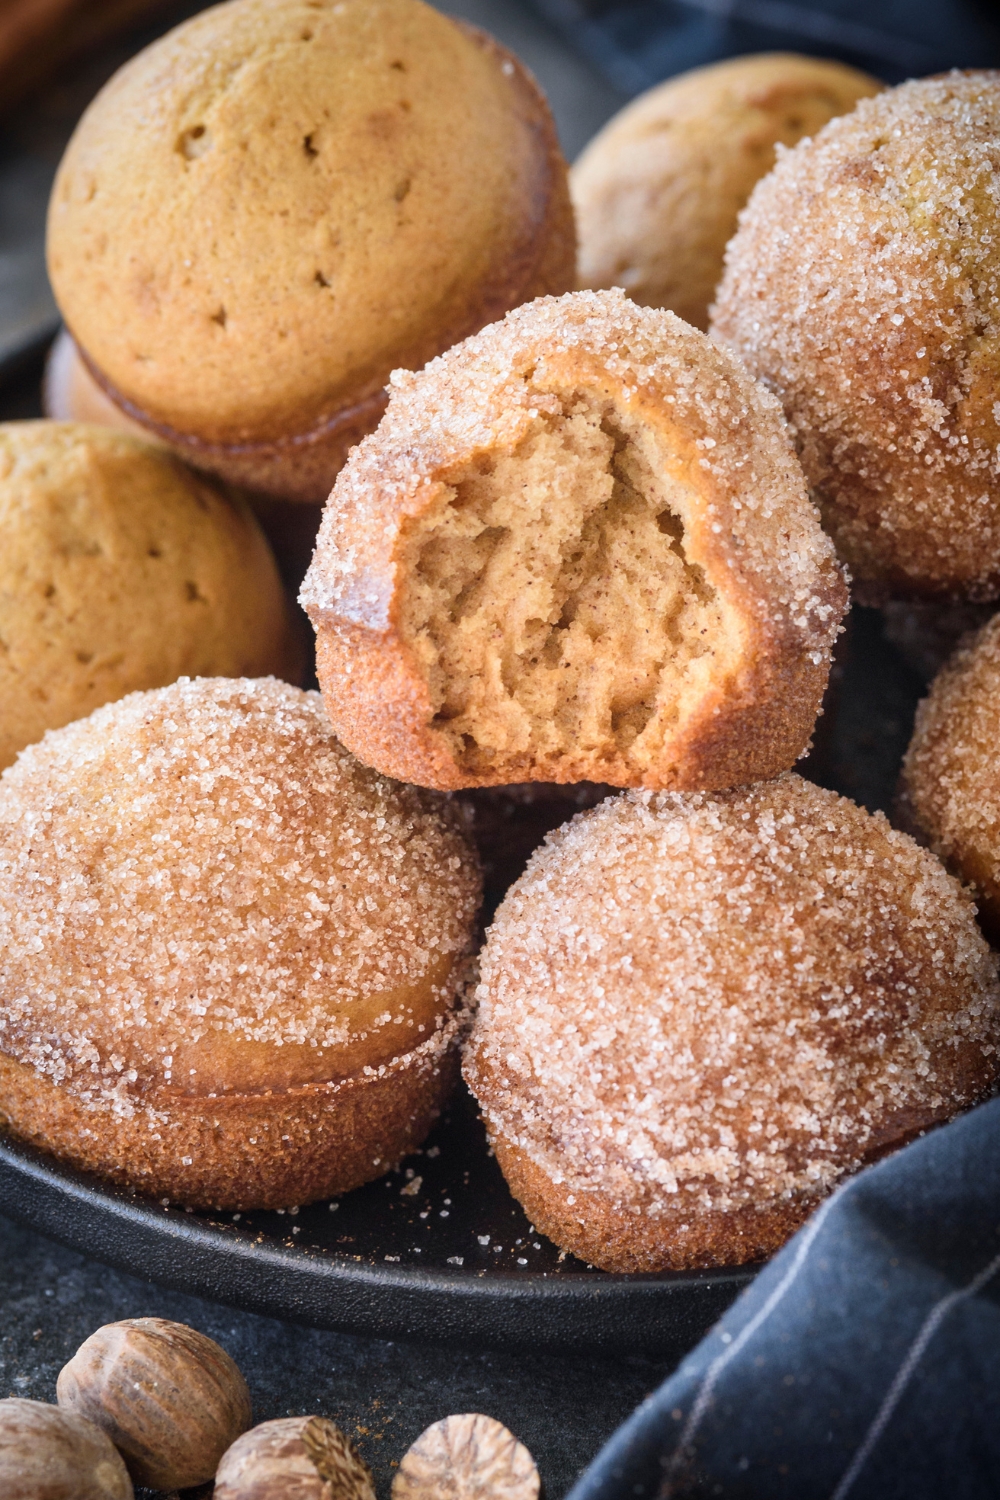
(71, 394)
(658, 190)
(121, 569)
(577, 548)
(204, 898)
(863, 288)
(272, 206)
(243, 1151)
(697, 1013)
(950, 775)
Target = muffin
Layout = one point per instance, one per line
(658, 190)
(950, 782)
(698, 1013)
(232, 959)
(71, 394)
(273, 206)
(578, 548)
(863, 287)
(122, 569)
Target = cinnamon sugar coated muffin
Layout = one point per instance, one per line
(658, 190)
(698, 1013)
(951, 774)
(272, 206)
(578, 548)
(121, 569)
(231, 958)
(863, 287)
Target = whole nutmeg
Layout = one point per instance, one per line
(467, 1457)
(49, 1454)
(294, 1458)
(167, 1396)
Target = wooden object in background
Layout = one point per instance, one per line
(38, 36)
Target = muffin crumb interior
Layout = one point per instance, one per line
(549, 597)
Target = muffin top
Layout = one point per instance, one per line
(200, 889)
(658, 190)
(863, 288)
(732, 997)
(279, 201)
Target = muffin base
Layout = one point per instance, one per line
(592, 1227)
(300, 467)
(242, 1151)
(595, 1229)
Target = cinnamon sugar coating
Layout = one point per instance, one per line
(863, 287)
(270, 207)
(230, 956)
(578, 547)
(951, 786)
(698, 1012)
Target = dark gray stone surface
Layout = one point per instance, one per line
(383, 1394)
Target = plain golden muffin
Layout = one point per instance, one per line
(863, 288)
(70, 393)
(658, 190)
(120, 568)
(232, 959)
(279, 202)
(578, 548)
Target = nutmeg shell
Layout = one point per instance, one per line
(307, 1458)
(169, 1398)
(47, 1453)
(466, 1457)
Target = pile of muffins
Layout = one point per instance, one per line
(577, 554)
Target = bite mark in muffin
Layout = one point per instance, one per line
(578, 547)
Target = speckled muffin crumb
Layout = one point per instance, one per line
(697, 1013)
(270, 207)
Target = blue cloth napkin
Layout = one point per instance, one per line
(863, 1363)
(635, 43)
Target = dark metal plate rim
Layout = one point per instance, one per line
(316, 1286)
